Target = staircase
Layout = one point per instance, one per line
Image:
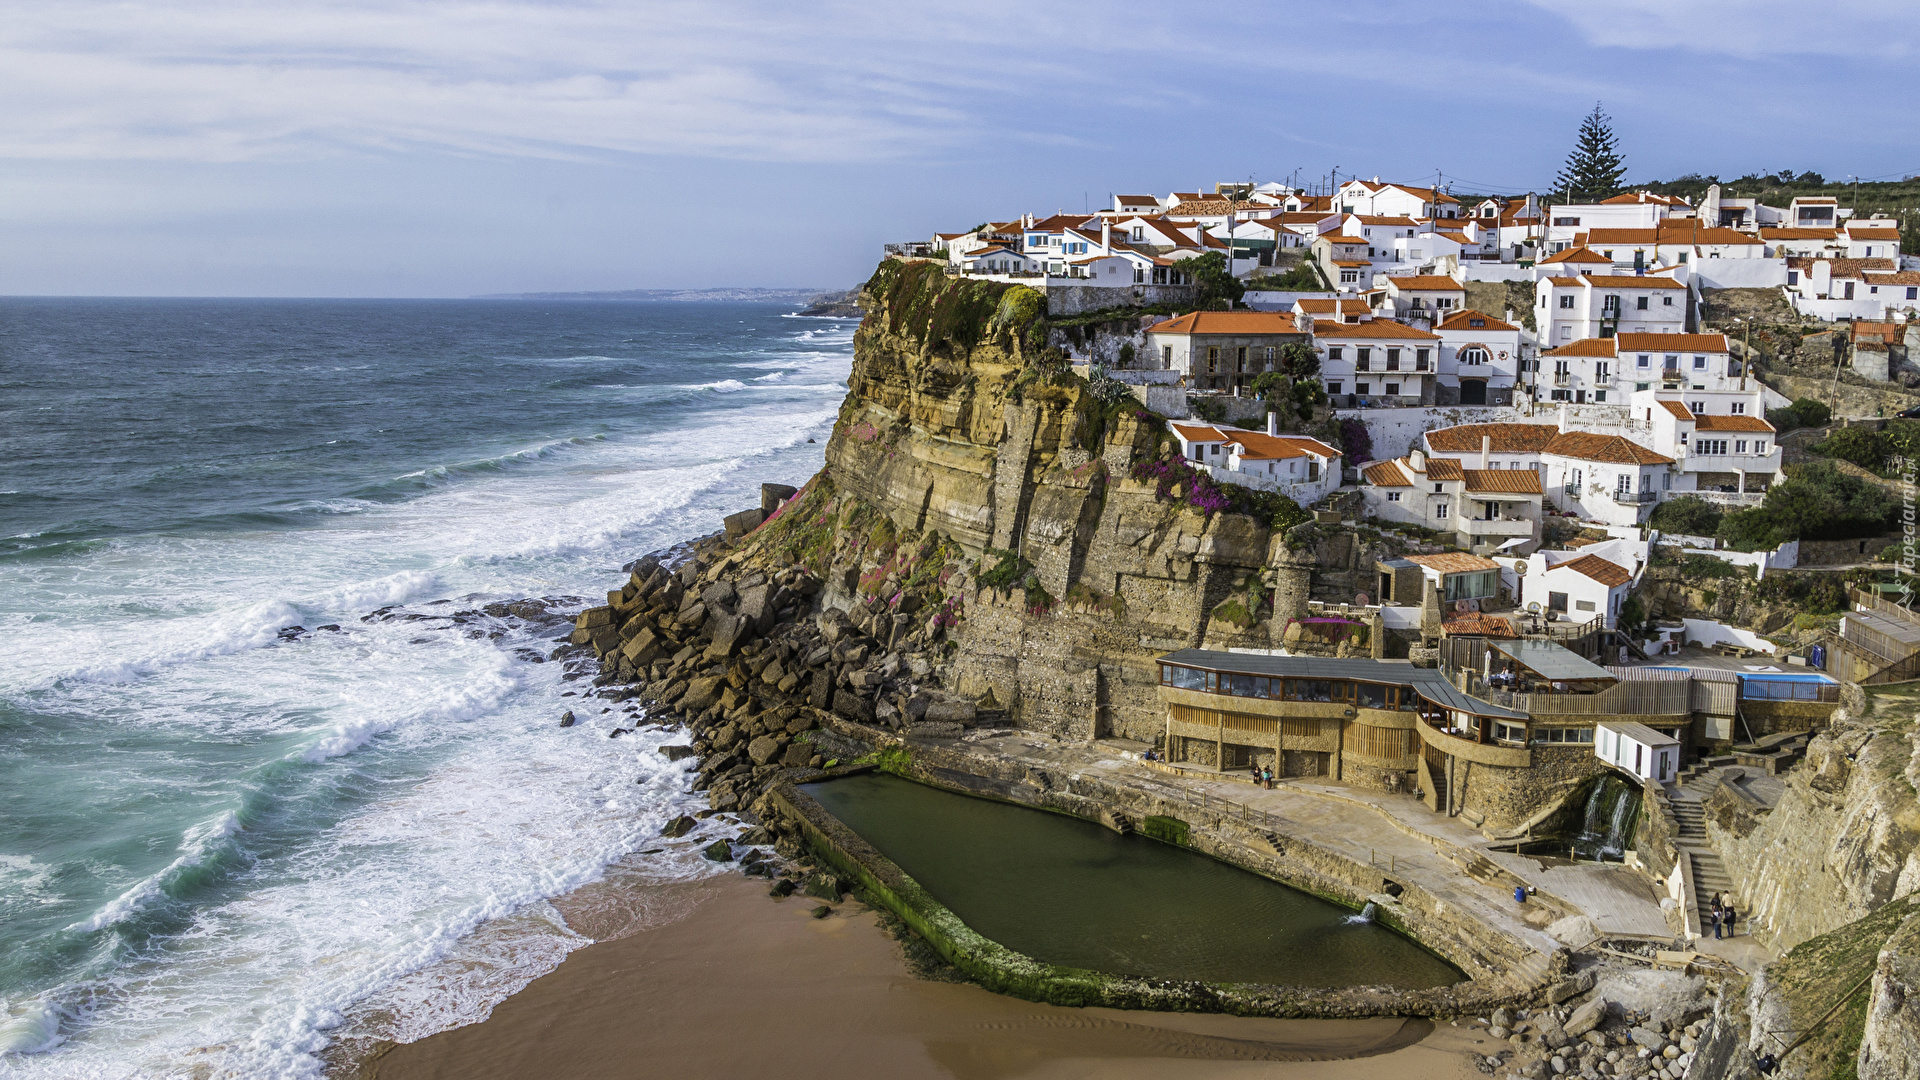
(1709, 878)
(1689, 814)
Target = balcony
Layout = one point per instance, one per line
(1500, 526)
(1563, 378)
(1635, 498)
(1768, 462)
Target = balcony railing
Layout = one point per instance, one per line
(1767, 462)
(1506, 526)
(1634, 498)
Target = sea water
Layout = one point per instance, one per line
(222, 846)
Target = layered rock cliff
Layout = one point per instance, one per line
(1072, 552)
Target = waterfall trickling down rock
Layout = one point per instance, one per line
(1366, 914)
(1607, 825)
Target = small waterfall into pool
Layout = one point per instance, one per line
(1365, 915)
(1606, 827)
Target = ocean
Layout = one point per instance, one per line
(227, 845)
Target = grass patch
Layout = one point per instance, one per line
(1169, 830)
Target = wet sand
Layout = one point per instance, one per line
(741, 985)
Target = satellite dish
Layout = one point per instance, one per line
(1520, 567)
(1533, 608)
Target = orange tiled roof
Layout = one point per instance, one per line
(1427, 283)
(1703, 422)
(1454, 562)
(1507, 438)
(1612, 282)
(1606, 573)
(1228, 322)
(1463, 319)
(1678, 409)
(1505, 481)
(1377, 328)
(1592, 346)
(1199, 433)
(1637, 342)
(1613, 449)
(1899, 277)
(1439, 468)
(1385, 474)
(1260, 446)
(1577, 253)
(1478, 624)
(1799, 234)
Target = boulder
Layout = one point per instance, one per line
(772, 495)
(729, 633)
(823, 885)
(566, 720)
(1551, 1032)
(1570, 987)
(799, 724)
(702, 694)
(783, 887)
(1574, 931)
(797, 755)
(1587, 1017)
(757, 607)
(762, 749)
(679, 826)
(744, 522)
(1648, 1038)
(677, 751)
(719, 851)
(950, 712)
(821, 912)
(853, 707)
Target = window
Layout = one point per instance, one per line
(1601, 371)
(1566, 303)
(1583, 605)
(1563, 735)
(1699, 363)
(1440, 510)
(1611, 302)
(1566, 221)
(1506, 732)
(1698, 408)
(1362, 359)
(1913, 293)
(1476, 322)
(1391, 389)
(1600, 396)
(1309, 690)
(1139, 233)
(1240, 359)
(1183, 678)
(1438, 488)
(1643, 361)
(1213, 358)
(1608, 253)
(1349, 277)
(1666, 301)
(1363, 388)
(1393, 496)
(1739, 446)
(1738, 408)
(1166, 355)
(1393, 359)
(1556, 601)
(1711, 447)
(1420, 359)
(1473, 355)
(1267, 353)
(1641, 304)
(1333, 387)
(1334, 352)
(1760, 446)
(1793, 277)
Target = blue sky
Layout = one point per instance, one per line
(452, 148)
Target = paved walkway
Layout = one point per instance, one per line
(1395, 833)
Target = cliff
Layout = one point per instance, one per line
(1071, 550)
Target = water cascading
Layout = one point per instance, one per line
(1366, 914)
(1606, 827)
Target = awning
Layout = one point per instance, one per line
(1551, 661)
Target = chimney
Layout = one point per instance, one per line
(1486, 451)
(1417, 461)
(1106, 237)
(1273, 422)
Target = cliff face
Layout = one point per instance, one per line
(1065, 573)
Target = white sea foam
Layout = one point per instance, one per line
(724, 386)
(409, 802)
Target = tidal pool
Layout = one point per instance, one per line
(1071, 892)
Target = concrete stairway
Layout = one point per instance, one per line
(1709, 877)
(1691, 816)
(1689, 813)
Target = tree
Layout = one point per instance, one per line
(1213, 281)
(1594, 169)
(1817, 502)
(1686, 515)
(1293, 397)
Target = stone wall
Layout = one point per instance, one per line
(1510, 799)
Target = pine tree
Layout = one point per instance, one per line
(1594, 169)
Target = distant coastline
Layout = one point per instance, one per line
(682, 295)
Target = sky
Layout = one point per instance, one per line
(454, 148)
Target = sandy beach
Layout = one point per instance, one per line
(739, 985)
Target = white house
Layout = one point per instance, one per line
(1673, 242)
(1873, 238)
(1420, 297)
(1346, 260)
(1633, 210)
(1394, 200)
(1593, 305)
(1304, 469)
(999, 259)
(1727, 453)
(1576, 586)
(1597, 477)
(1638, 750)
(1480, 359)
(1223, 350)
(1482, 507)
(1377, 363)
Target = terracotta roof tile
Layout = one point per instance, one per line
(1730, 423)
(1478, 624)
(1228, 322)
(1799, 234)
(1199, 433)
(1463, 319)
(1900, 277)
(1377, 328)
(1678, 409)
(1616, 282)
(1444, 469)
(1597, 568)
(1507, 438)
(1427, 283)
(1613, 449)
(1578, 253)
(1454, 562)
(1710, 343)
(1592, 346)
(1260, 446)
(1385, 474)
(1507, 481)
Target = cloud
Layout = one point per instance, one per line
(1749, 29)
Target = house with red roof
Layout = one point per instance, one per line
(1300, 467)
(1593, 304)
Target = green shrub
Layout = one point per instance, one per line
(1688, 515)
(1815, 502)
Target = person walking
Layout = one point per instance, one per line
(1713, 914)
(1726, 911)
